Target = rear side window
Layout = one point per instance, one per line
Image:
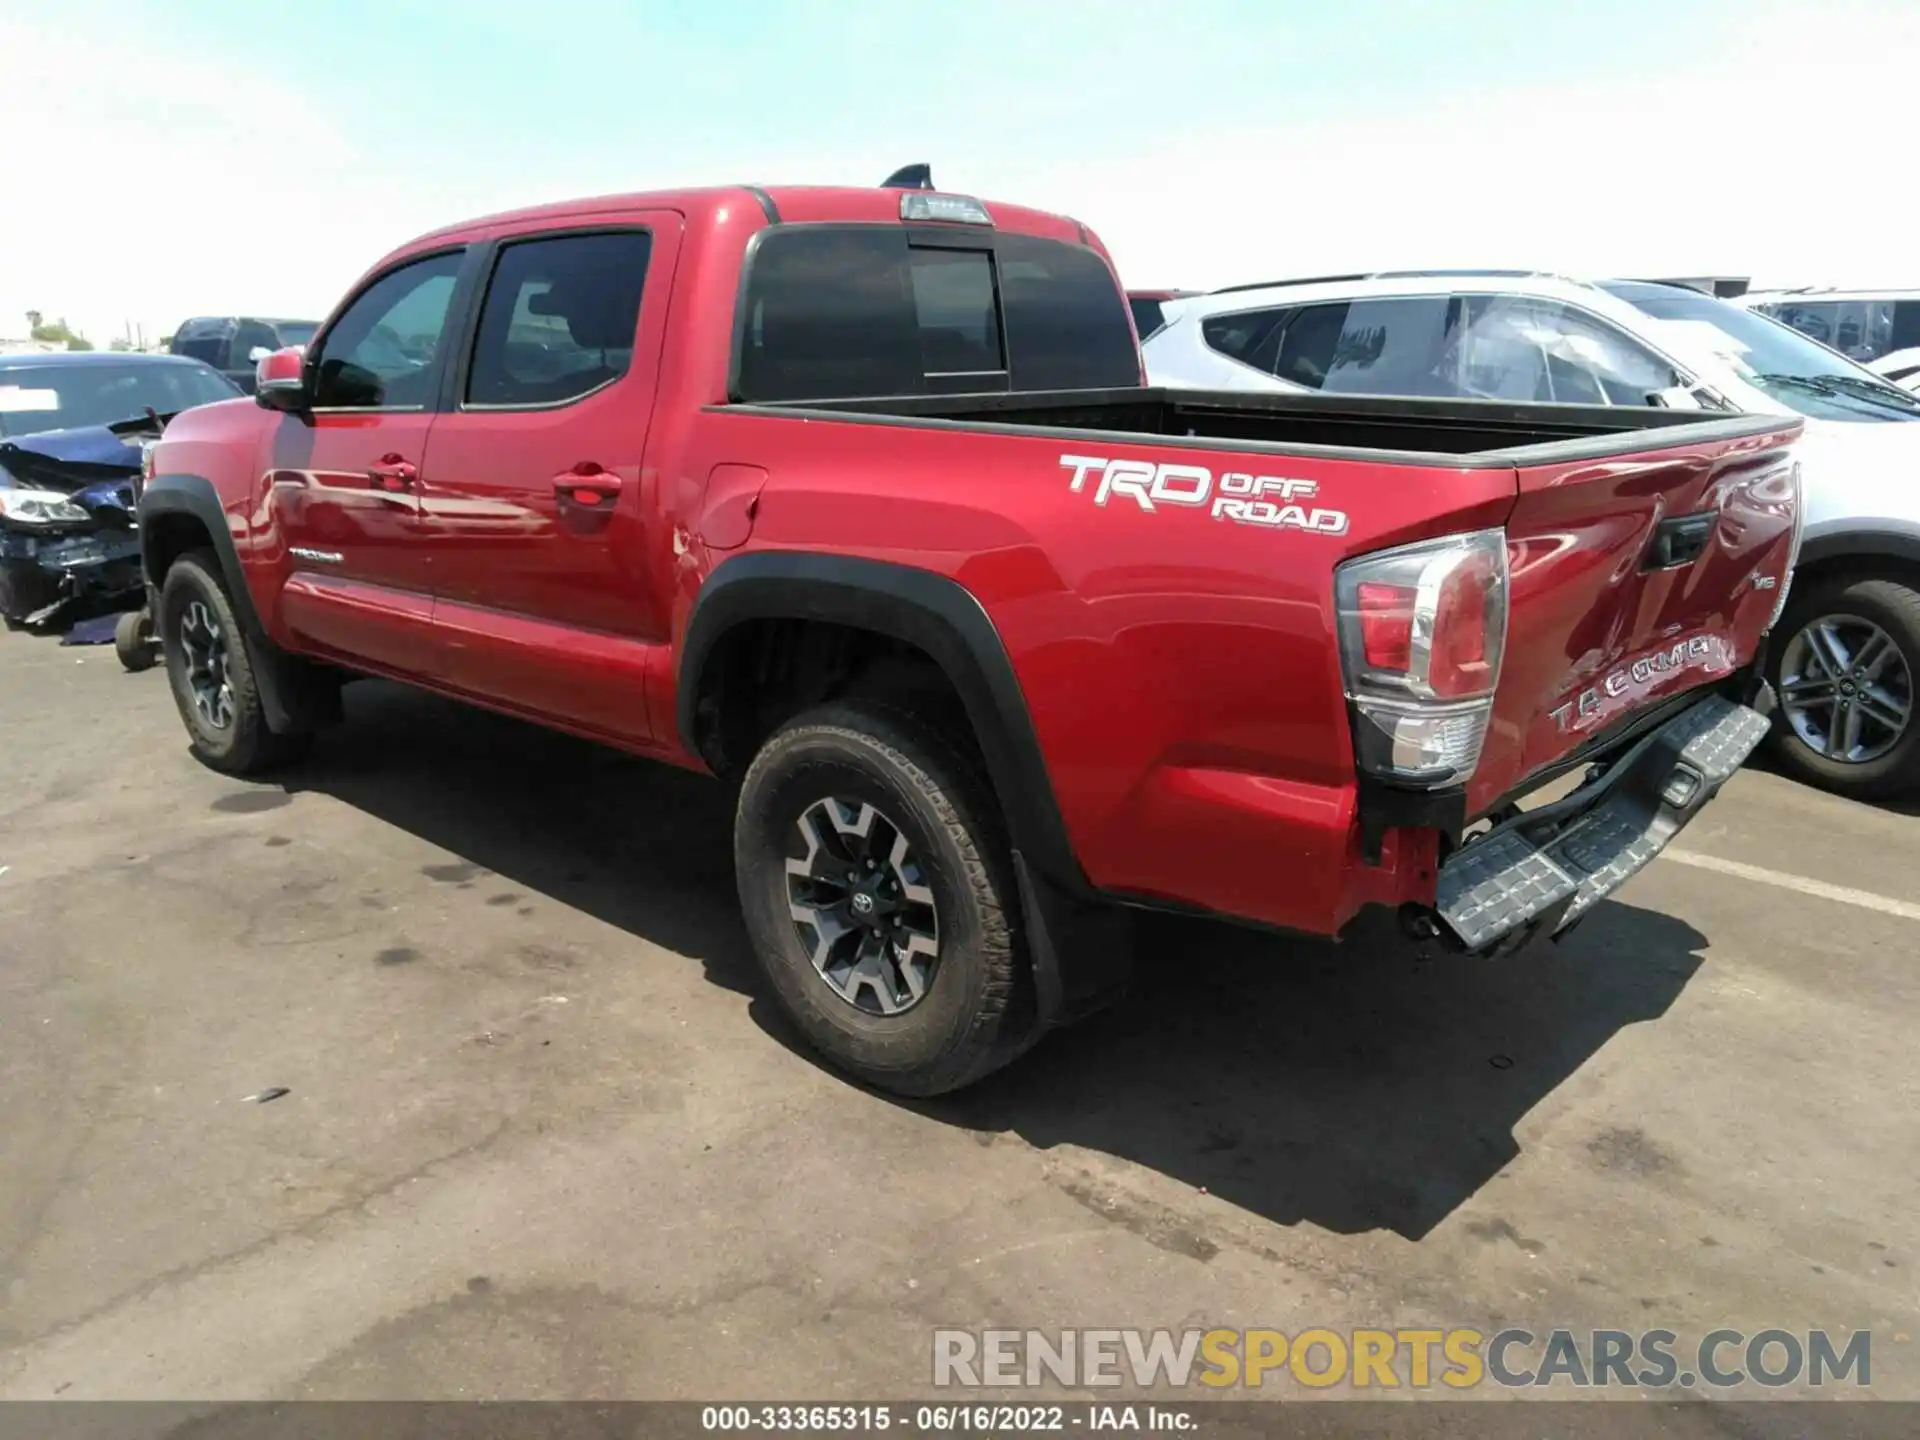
(1906, 325)
(1147, 315)
(248, 336)
(204, 340)
(1366, 347)
(559, 319)
(835, 312)
(1247, 337)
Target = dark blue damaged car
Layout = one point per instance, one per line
(73, 428)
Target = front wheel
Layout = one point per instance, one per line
(212, 675)
(878, 891)
(1845, 664)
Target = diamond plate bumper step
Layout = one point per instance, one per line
(1538, 873)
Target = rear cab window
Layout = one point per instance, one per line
(843, 311)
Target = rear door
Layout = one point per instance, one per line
(1633, 579)
(537, 505)
(340, 484)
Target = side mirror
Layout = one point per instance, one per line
(257, 354)
(280, 379)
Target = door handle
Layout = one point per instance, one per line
(1679, 541)
(393, 475)
(587, 486)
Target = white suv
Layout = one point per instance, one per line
(1863, 325)
(1846, 656)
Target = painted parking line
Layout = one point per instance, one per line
(1820, 889)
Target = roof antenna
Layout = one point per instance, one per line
(909, 177)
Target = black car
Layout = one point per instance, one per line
(72, 431)
(232, 343)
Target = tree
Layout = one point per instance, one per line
(59, 332)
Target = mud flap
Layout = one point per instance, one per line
(1082, 953)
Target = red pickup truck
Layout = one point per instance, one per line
(858, 499)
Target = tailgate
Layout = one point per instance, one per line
(1633, 578)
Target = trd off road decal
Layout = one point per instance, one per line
(1270, 501)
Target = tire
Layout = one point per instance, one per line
(235, 739)
(133, 641)
(974, 1012)
(1847, 606)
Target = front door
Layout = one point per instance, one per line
(534, 493)
(341, 483)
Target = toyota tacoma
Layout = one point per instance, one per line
(858, 499)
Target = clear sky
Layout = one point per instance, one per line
(164, 157)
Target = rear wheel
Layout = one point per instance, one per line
(1845, 667)
(212, 674)
(877, 892)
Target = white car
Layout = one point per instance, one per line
(1864, 325)
(1846, 656)
(1902, 367)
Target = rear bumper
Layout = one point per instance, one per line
(1536, 874)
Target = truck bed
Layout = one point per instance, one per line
(1459, 433)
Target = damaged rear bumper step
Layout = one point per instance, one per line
(1539, 872)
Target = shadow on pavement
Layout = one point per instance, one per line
(639, 845)
(1358, 1086)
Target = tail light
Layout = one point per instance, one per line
(1422, 630)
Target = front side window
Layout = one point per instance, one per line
(1517, 347)
(559, 319)
(380, 354)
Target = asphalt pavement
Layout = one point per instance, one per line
(541, 1137)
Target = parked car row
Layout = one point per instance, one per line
(1847, 655)
(236, 344)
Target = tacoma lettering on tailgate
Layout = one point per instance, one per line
(1681, 655)
(1266, 500)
